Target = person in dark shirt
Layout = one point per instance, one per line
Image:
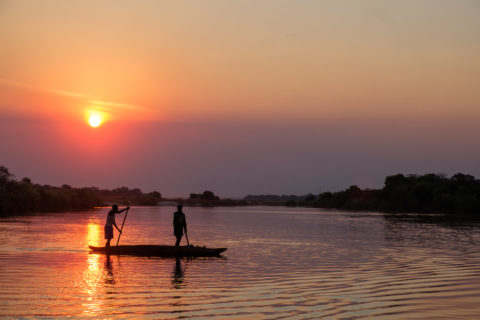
(179, 224)
(111, 223)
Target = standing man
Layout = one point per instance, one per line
(111, 223)
(179, 224)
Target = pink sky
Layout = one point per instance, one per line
(241, 96)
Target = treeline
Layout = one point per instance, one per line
(275, 200)
(22, 196)
(209, 199)
(126, 196)
(429, 193)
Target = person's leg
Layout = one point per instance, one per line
(108, 235)
(179, 238)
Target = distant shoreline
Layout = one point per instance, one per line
(458, 195)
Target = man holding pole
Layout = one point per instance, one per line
(179, 224)
(111, 223)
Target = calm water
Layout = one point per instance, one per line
(281, 263)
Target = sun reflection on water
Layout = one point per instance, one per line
(93, 237)
(91, 286)
(92, 275)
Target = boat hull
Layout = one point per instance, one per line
(159, 251)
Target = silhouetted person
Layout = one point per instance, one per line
(111, 223)
(179, 224)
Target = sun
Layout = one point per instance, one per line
(94, 120)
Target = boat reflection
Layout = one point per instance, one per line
(109, 279)
(178, 282)
(178, 275)
(181, 301)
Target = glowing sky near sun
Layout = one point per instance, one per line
(225, 69)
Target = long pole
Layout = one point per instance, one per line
(121, 229)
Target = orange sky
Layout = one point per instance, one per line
(236, 64)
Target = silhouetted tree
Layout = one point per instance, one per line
(156, 194)
(208, 195)
(412, 193)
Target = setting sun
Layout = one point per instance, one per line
(94, 120)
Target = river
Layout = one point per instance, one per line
(281, 263)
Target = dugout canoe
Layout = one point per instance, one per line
(159, 251)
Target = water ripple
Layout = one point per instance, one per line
(322, 266)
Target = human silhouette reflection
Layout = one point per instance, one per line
(178, 275)
(109, 279)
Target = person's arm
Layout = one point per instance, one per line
(123, 210)
(117, 227)
(185, 224)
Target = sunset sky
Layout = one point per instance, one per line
(238, 97)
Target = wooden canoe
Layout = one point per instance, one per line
(159, 251)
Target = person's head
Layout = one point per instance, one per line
(115, 208)
(179, 207)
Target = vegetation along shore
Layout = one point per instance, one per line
(429, 193)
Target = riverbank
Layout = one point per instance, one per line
(458, 195)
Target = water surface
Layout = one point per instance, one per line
(291, 263)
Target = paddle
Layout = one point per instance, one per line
(186, 236)
(121, 229)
